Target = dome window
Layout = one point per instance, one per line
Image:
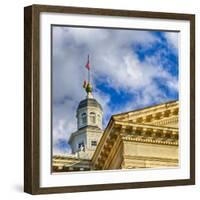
(92, 118)
(84, 118)
(81, 146)
(98, 119)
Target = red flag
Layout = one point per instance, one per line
(88, 63)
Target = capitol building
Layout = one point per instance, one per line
(143, 138)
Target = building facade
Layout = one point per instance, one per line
(144, 138)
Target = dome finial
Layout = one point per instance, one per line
(88, 85)
(88, 89)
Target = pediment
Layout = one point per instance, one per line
(165, 114)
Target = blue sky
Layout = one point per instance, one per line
(130, 69)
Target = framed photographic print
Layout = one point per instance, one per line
(109, 99)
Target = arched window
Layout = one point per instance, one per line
(92, 118)
(98, 119)
(84, 118)
(81, 146)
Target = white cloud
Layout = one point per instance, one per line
(172, 38)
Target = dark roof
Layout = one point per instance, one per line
(89, 102)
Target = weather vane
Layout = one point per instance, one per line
(87, 85)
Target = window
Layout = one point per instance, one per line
(81, 145)
(93, 143)
(98, 119)
(84, 118)
(92, 118)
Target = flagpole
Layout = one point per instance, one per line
(88, 69)
(88, 75)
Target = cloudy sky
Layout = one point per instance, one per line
(130, 69)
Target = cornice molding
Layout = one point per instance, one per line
(164, 110)
(150, 141)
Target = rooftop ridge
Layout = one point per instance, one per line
(144, 108)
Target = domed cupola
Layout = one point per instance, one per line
(89, 116)
(89, 112)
